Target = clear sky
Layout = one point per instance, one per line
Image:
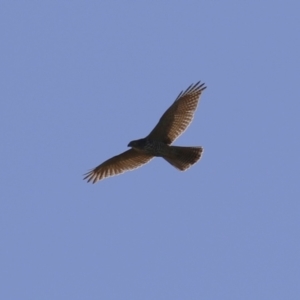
(79, 80)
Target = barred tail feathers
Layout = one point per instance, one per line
(183, 158)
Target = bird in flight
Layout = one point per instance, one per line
(158, 142)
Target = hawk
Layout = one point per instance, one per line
(158, 142)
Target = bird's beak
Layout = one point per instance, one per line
(130, 144)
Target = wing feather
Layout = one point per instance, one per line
(126, 161)
(178, 116)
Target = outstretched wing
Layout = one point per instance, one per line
(178, 116)
(116, 165)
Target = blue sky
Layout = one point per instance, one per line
(79, 80)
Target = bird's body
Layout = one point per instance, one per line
(180, 157)
(158, 143)
(148, 146)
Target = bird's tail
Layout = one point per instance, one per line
(183, 157)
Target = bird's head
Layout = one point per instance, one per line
(137, 144)
(131, 144)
